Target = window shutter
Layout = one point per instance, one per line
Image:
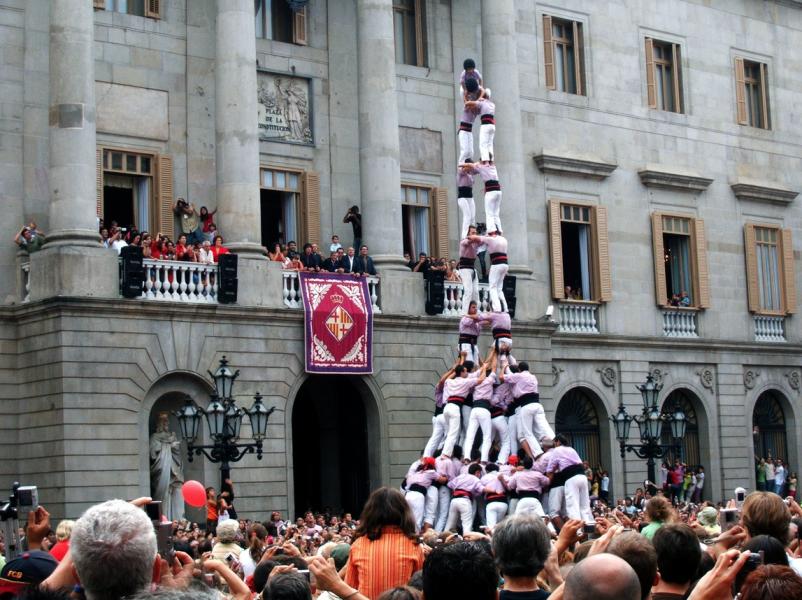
(557, 284)
(579, 59)
(651, 86)
(441, 221)
(764, 93)
(789, 278)
(752, 286)
(100, 4)
(311, 207)
(153, 9)
(605, 293)
(99, 181)
(660, 291)
(166, 216)
(740, 91)
(702, 271)
(299, 27)
(548, 53)
(677, 76)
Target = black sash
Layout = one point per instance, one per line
(488, 119)
(464, 191)
(498, 258)
(528, 399)
(415, 487)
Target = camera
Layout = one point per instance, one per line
(23, 499)
(729, 518)
(740, 495)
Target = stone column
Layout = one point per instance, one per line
(500, 71)
(72, 262)
(379, 154)
(237, 128)
(73, 212)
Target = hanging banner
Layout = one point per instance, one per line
(338, 323)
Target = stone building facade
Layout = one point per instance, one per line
(645, 149)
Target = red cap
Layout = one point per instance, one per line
(428, 461)
(512, 460)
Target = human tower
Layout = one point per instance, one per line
(532, 470)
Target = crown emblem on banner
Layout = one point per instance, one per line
(337, 298)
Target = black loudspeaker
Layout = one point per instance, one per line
(508, 287)
(132, 272)
(435, 292)
(227, 278)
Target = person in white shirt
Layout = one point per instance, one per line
(335, 244)
(205, 255)
(116, 240)
(700, 483)
(779, 478)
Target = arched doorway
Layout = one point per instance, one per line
(578, 419)
(769, 427)
(690, 451)
(335, 442)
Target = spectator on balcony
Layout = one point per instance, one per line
(211, 234)
(205, 255)
(190, 220)
(349, 260)
(332, 264)
(311, 260)
(292, 249)
(684, 298)
(423, 264)
(452, 274)
(207, 219)
(335, 244)
(30, 239)
(181, 247)
(104, 237)
(294, 264)
(355, 219)
(218, 248)
(116, 241)
(168, 251)
(363, 264)
(277, 255)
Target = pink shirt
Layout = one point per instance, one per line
(486, 172)
(498, 320)
(502, 396)
(469, 326)
(447, 467)
(465, 178)
(542, 462)
(492, 481)
(522, 383)
(459, 386)
(484, 389)
(467, 248)
(562, 457)
(494, 243)
(528, 481)
(486, 107)
(467, 482)
(438, 395)
(424, 478)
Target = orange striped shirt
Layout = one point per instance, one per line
(376, 566)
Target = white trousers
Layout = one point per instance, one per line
(443, 505)
(438, 435)
(533, 426)
(430, 507)
(499, 426)
(529, 506)
(493, 210)
(417, 502)
(496, 284)
(465, 146)
(451, 420)
(479, 418)
(577, 499)
(467, 209)
(512, 431)
(465, 414)
(487, 133)
(495, 512)
(471, 352)
(461, 509)
(470, 289)
(556, 501)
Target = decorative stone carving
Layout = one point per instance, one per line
(793, 380)
(284, 108)
(555, 374)
(608, 376)
(707, 379)
(750, 378)
(658, 375)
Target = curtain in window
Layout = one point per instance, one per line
(421, 229)
(584, 260)
(288, 209)
(680, 262)
(142, 190)
(768, 277)
(559, 66)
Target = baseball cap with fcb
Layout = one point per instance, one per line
(31, 568)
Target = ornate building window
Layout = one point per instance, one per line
(768, 427)
(564, 55)
(290, 207)
(690, 452)
(771, 281)
(752, 93)
(409, 24)
(680, 261)
(276, 20)
(424, 213)
(578, 420)
(663, 75)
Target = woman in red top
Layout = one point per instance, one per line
(385, 552)
(207, 218)
(181, 247)
(211, 510)
(218, 248)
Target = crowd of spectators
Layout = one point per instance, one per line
(773, 475)
(111, 552)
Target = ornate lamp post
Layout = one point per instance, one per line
(650, 423)
(224, 420)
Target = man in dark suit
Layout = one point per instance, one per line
(363, 264)
(348, 261)
(310, 260)
(332, 264)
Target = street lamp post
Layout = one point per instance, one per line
(224, 420)
(650, 423)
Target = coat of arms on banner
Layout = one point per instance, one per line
(338, 327)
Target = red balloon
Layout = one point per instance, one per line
(194, 493)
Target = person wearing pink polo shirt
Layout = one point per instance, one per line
(418, 482)
(448, 468)
(489, 174)
(469, 330)
(499, 401)
(530, 485)
(465, 201)
(497, 247)
(480, 412)
(496, 501)
(487, 130)
(532, 423)
(464, 488)
(501, 328)
(468, 249)
(565, 467)
(456, 388)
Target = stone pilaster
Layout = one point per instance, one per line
(500, 71)
(379, 154)
(237, 128)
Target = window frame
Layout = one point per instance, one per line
(601, 279)
(300, 199)
(700, 273)
(785, 269)
(418, 11)
(405, 185)
(578, 29)
(156, 191)
(151, 9)
(298, 25)
(742, 89)
(677, 95)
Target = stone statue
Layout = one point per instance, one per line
(166, 471)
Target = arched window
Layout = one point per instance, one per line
(768, 427)
(578, 420)
(689, 450)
